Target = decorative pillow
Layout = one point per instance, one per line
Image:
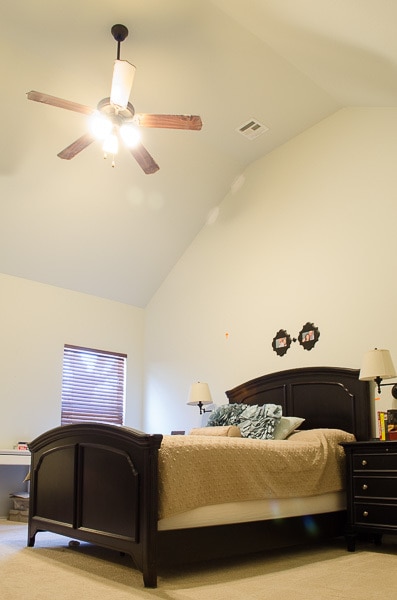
(227, 430)
(286, 426)
(254, 421)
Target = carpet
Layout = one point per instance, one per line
(53, 570)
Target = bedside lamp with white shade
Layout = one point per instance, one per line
(378, 365)
(200, 395)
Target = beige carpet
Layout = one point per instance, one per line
(54, 571)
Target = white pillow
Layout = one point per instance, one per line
(286, 426)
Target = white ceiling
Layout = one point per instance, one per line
(116, 233)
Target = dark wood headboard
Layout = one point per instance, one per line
(330, 397)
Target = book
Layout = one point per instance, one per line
(392, 424)
(382, 425)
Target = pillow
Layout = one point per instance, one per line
(227, 430)
(254, 421)
(286, 426)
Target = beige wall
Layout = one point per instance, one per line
(35, 322)
(307, 235)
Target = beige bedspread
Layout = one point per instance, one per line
(202, 470)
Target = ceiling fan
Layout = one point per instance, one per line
(115, 116)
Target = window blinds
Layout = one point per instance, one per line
(93, 386)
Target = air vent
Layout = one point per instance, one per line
(252, 129)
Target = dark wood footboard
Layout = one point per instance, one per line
(98, 483)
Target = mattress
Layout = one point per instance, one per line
(255, 510)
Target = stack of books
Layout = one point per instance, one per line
(387, 424)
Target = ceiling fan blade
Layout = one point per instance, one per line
(59, 102)
(192, 122)
(122, 80)
(144, 159)
(77, 146)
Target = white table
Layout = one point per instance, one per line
(14, 457)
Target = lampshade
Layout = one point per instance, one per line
(199, 393)
(377, 364)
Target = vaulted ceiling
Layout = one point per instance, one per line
(116, 232)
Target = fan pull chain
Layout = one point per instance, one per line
(113, 159)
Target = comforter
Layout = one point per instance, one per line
(198, 471)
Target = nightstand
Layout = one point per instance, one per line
(371, 487)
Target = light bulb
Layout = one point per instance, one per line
(100, 125)
(130, 135)
(111, 144)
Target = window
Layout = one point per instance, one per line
(93, 386)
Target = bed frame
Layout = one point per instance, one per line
(98, 483)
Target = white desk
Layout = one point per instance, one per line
(14, 466)
(14, 457)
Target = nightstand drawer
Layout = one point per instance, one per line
(380, 461)
(384, 515)
(374, 487)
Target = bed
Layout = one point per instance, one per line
(104, 484)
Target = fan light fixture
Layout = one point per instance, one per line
(111, 144)
(100, 125)
(106, 130)
(130, 135)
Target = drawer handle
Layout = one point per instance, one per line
(365, 513)
(365, 487)
(364, 462)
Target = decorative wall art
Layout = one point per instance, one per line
(281, 342)
(308, 336)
